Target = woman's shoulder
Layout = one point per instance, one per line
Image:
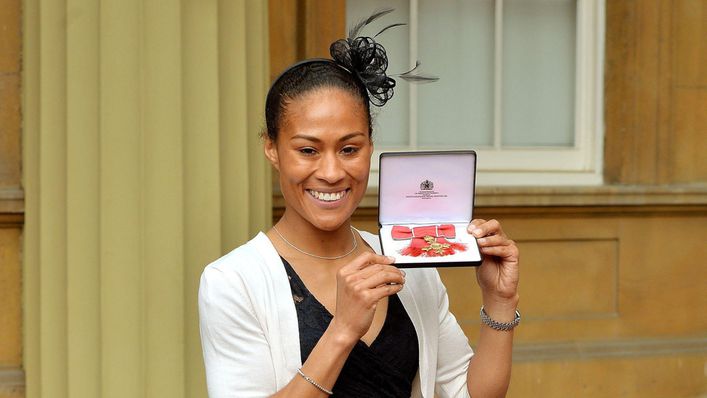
(234, 260)
(248, 263)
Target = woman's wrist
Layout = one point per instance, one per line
(340, 336)
(501, 309)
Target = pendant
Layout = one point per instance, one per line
(437, 248)
(432, 246)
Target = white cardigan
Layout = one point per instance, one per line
(250, 336)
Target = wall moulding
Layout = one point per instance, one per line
(609, 349)
(624, 198)
(11, 377)
(12, 203)
(370, 213)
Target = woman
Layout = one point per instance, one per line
(310, 307)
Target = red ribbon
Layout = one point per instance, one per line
(432, 247)
(438, 231)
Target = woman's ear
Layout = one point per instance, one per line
(270, 149)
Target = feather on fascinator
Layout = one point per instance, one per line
(365, 58)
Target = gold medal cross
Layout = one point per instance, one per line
(436, 247)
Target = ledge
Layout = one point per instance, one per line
(576, 196)
(583, 350)
(605, 195)
(12, 201)
(11, 377)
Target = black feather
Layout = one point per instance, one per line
(410, 76)
(388, 27)
(354, 31)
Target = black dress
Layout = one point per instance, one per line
(386, 368)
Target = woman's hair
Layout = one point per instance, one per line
(305, 77)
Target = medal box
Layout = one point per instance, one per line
(425, 202)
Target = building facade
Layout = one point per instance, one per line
(130, 158)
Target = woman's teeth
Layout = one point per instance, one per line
(327, 196)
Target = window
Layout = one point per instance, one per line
(520, 83)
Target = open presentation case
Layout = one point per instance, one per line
(425, 202)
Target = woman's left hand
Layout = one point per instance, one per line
(498, 274)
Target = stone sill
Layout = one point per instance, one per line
(587, 350)
(11, 377)
(604, 195)
(12, 199)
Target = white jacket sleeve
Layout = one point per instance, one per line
(236, 352)
(453, 352)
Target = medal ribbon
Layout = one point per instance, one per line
(430, 246)
(438, 231)
(428, 240)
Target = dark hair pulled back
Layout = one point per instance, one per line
(304, 77)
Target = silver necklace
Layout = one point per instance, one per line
(355, 245)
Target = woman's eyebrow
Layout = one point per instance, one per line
(318, 140)
(351, 135)
(306, 137)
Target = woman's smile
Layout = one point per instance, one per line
(328, 197)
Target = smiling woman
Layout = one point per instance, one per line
(323, 154)
(310, 308)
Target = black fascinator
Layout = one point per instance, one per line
(365, 58)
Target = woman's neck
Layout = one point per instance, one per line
(310, 239)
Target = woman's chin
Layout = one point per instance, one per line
(330, 225)
(330, 222)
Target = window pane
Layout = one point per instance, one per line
(456, 43)
(538, 72)
(390, 123)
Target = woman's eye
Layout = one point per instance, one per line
(349, 150)
(307, 151)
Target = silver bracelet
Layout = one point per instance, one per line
(501, 326)
(314, 383)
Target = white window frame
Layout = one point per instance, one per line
(577, 165)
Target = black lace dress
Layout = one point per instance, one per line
(386, 368)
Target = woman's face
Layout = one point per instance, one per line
(323, 153)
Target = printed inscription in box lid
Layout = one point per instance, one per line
(422, 187)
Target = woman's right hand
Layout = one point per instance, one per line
(360, 285)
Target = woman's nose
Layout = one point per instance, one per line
(330, 169)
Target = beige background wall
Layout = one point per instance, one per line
(140, 164)
(127, 155)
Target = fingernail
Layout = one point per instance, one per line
(403, 272)
(391, 258)
(477, 232)
(481, 240)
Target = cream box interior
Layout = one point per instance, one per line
(421, 193)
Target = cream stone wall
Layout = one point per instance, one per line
(141, 164)
(129, 159)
